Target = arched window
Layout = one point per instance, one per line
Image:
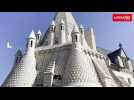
(62, 27)
(31, 44)
(76, 38)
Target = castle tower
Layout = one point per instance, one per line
(18, 57)
(51, 34)
(38, 37)
(76, 38)
(77, 71)
(67, 56)
(62, 38)
(24, 73)
(61, 19)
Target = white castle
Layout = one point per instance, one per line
(67, 56)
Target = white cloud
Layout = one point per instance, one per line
(9, 46)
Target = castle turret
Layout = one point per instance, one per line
(77, 71)
(51, 34)
(38, 37)
(76, 38)
(24, 73)
(18, 56)
(31, 42)
(62, 32)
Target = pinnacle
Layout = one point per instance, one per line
(39, 32)
(75, 29)
(32, 35)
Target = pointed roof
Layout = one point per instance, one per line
(75, 29)
(19, 52)
(68, 18)
(39, 32)
(53, 23)
(62, 21)
(81, 26)
(118, 52)
(69, 21)
(32, 35)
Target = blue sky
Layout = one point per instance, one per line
(15, 27)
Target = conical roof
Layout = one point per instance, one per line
(69, 22)
(39, 32)
(19, 52)
(62, 21)
(75, 29)
(53, 23)
(68, 19)
(32, 35)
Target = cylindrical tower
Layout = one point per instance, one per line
(78, 71)
(62, 37)
(51, 35)
(24, 73)
(38, 37)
